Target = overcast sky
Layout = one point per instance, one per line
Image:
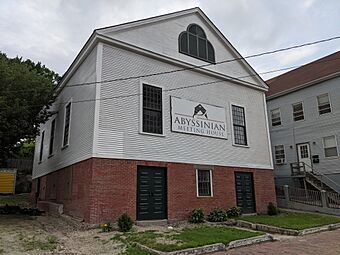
(53, 31)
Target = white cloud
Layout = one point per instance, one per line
(54, 31)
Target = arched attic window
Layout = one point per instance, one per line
(194, 42)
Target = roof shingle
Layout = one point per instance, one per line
(305, 74)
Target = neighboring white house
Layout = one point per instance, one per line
(304, 112)
(149, 122)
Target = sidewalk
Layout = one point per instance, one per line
(325, 243)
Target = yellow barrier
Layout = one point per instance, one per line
(7, 181)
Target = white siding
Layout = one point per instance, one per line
(82, 119)
(119, 118)
(162, 37)
(312, 129)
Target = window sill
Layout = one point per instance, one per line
(205, 196)
(240, 145)
(65, 146)
(151, 134)
(333, 157)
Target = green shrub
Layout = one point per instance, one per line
(106, 227)
(217, 215)
(196, 216)
(125, 223)
(272, 209)
(234, 212)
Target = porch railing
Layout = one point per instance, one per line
(310, 197)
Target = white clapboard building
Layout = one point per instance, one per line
(155, 118)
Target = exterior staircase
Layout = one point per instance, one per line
(316, 179)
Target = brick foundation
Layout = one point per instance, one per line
(102, 189)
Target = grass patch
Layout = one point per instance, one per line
(17, 199)
(36, 244)
(188, 238)
(291, 220)
(134, 250)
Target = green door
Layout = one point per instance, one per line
(245, 192)
(151, 193)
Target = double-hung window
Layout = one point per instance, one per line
(330, 146)
(279, 154)
(204, 183)
(52, 135)
(239, 125)
(41, 146)
(276, 117)
(152, 109)
(324, 105)
(298, 113)
(67, 123)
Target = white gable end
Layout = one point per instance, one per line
(160, 35)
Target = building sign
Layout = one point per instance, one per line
(197, 118)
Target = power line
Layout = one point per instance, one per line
(200, 66)
(179, 88)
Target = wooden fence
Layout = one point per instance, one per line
(310, 197)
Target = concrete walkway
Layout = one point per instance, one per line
(325, 243)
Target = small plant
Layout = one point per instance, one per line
(196, 216)
(272, 209)
(217, 215)
(234, 212)
(125, 223)
(106, 227)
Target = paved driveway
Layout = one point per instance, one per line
(325, 243)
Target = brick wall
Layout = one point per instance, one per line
(103, 189)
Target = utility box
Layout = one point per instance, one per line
(7, 180)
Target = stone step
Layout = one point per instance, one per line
(147, 223)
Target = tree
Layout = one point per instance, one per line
(26, 92)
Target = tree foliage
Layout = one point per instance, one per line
(26, 92)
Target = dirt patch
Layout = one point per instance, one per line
(51, 235)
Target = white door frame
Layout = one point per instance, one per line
(301, 158)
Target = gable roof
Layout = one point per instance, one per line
(98, 35)
(197, 10)
(310, 74)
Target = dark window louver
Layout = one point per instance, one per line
(152, 109)
(41, 146)
(50, 152)
(67, 124)
(193, 42)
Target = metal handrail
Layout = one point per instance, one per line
(322, 175)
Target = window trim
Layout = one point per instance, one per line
(41, 149)
(336, 145)
(69, 128)
(197, 36)
(303, 109)
(141, 83)
(232, 125)
(211, 183)
(330, 104)
(49, 144)
(284, 154)
(271, 117)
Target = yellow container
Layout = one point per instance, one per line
(7, 181)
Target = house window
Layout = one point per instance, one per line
(50, 151)
(239, 124)
(67, 124)
(280, 154)
(330, 146)
(194, 42)
(41, 146)
(276, 117)
(152, 109)
(324, 105)
(204, 184)
(298, 113)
